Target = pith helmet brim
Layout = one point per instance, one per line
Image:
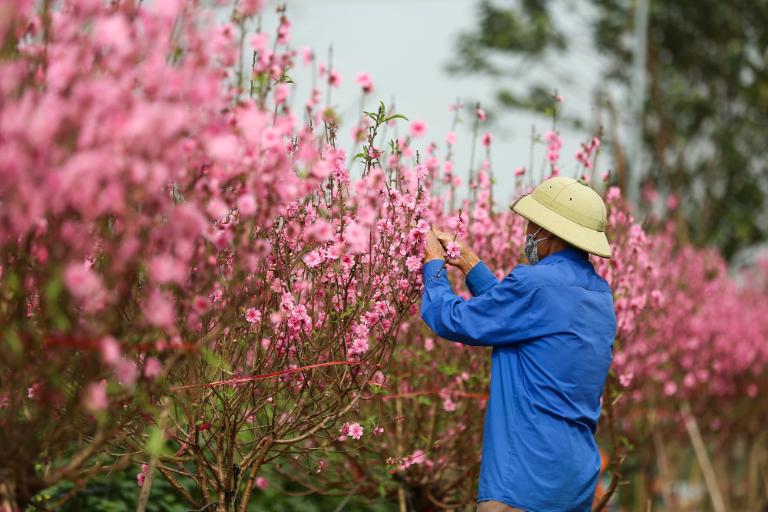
(584, 238)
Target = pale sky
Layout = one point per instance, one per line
(405, 45)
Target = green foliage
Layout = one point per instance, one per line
(118, 492)
(113, 492)
(526, 29)
(448, 369)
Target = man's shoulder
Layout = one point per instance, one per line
(530, 277)
(561, 274)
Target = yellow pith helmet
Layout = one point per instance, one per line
(570, 210)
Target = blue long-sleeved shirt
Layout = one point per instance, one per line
(551, 326)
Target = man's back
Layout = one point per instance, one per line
(551, 326)
(539, 451)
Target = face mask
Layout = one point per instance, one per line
(531, 249)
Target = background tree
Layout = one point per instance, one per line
(703, 124)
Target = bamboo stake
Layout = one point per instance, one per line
(703, 458)
(399, 434)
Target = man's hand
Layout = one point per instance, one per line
(434, 250)
(467, 257)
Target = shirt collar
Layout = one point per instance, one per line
(569, 253)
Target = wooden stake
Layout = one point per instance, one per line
(703, 458)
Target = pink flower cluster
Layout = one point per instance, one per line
(153, 204)
(554, 145)
(141, 476)
(155, 200)
(353, 430)
(584, 155)
(687, 331)
(452, 251)
(366, 82)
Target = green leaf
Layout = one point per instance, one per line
(60, 321)
(13, 342)
(448, 370)
(53, 290)
(214, 360)
(11, 282)
(155, 442)
(395, 116)
(424, 400)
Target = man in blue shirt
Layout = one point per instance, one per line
(551, 325)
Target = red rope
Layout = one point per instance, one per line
(239, 380)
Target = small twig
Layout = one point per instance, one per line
(203, 508)
(617, 458)
(349, 495)
(146, 489)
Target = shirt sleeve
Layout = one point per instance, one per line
(480, 279)
(509, 312)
